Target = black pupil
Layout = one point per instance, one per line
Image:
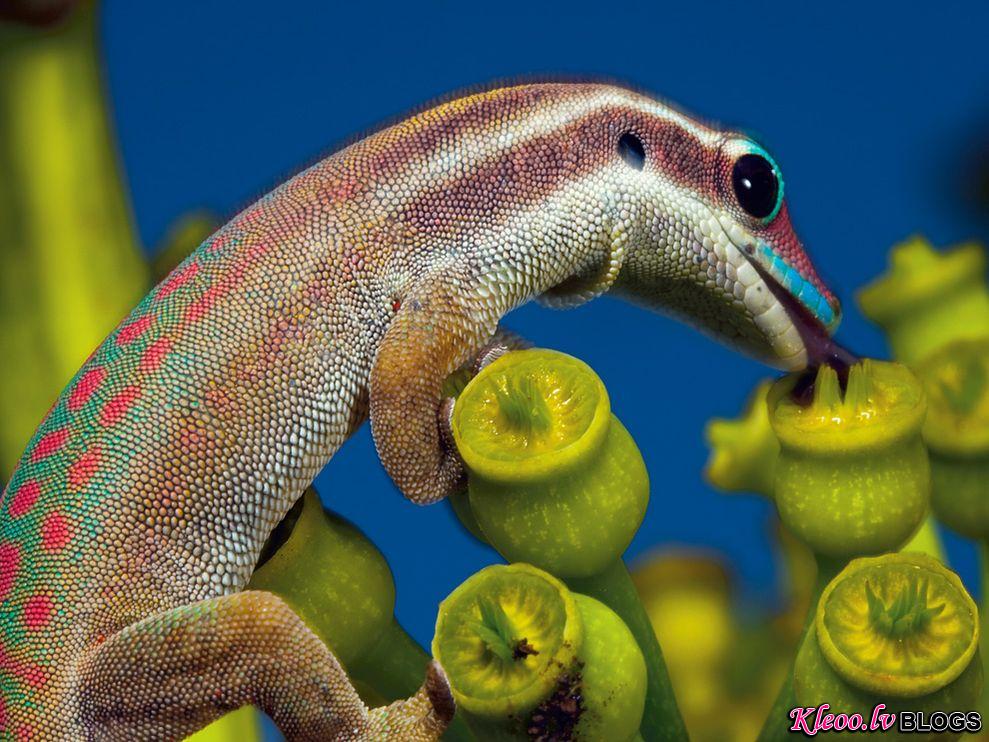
(631, 150)
(756, 186)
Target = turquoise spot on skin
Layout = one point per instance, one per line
(790, 282)
(796, 284)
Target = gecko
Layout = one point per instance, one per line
(131, 526)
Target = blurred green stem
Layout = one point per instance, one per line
(394, 666)
(777, 725)
(70, 267)
(927, 540)
(661, 719)
(984, 625)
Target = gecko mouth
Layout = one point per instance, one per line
(820, 347)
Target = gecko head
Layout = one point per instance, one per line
(709, 239)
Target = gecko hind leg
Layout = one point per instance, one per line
(172, 673)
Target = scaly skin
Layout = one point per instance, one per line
(132, 523)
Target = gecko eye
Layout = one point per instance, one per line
(630, 149)
(757, 185)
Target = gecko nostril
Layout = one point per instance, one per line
(630, 149)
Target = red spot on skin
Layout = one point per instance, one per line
(155, 354)
(10, 561)
(132, 331)
(117, 406)
(24, 499)
(396, 305)
(49, 444)
(177, 280)
(38, 612)
(55, 532)
(218, 244)
(33, 675)
(85, 387)
(24, 733)
(255, 252)
(84, 468)
(198, 309)
(4, 719)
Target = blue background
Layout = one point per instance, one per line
(876, 114)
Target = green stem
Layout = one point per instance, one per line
(394, 668)
(777, 725)
(984, 623)
(613, 587)
(927, 540)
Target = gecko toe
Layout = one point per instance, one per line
(438, 690)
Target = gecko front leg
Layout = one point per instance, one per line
(435, 331)
(445, 325)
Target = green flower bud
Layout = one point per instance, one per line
(929, 298)
(688, 600)
(744, 450)
(956, 380)
(334, 578)
(338, 582)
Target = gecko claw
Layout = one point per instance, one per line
(488, 355)
(445, 420)
(438, 691)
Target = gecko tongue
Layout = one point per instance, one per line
(821, 350)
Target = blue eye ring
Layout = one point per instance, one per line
(757, 184)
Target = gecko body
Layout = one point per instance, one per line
(131, 526)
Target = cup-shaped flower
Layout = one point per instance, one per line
(853, 477)
(899, 629)
(504, 636)
(555, 479)
(956, 379)
(527, 658)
